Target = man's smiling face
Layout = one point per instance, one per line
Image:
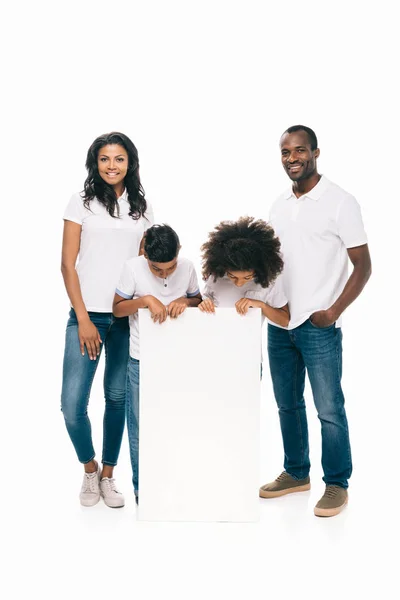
(298, 159)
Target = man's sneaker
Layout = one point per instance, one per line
(111, 496)
(332, 502)
(137, 498)
(90, 491)
(284, 484)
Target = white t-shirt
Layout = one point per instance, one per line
(224, 293)
(315, 231)
(106, 242)
(137, 281)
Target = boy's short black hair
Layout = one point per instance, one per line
(161, 243)
(243, 245)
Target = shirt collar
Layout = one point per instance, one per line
(315, 193)
(124, 196)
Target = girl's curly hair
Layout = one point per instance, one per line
(243, 245)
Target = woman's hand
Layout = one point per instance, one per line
(207, 306)
(89, 336)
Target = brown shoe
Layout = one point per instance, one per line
(332, 502)
(284, 484)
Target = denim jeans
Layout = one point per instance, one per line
(132, 417)
(78, 374)
(319, 351)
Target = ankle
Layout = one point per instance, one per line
(91, 466)
(107, 471)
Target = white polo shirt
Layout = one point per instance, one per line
(224, 293)
(315, 231)
(137, 281)
(106, 242)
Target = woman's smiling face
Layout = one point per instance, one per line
(112, 163)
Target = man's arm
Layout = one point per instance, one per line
(361, 261)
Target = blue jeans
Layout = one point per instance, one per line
(132, 417)
(319, 350)
(78, 374)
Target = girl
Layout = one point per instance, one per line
(104, 226)
(241, 266)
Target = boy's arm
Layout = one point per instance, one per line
(123, 307)
(193, 300)
(176, 307)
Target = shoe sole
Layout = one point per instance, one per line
(110, 505)
(330, 512)
(293, 490)
(89, 505)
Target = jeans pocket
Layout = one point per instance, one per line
(320, 328)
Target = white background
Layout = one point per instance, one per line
(204, 89)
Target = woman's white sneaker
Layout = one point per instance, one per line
(90, 491)
(111, 496)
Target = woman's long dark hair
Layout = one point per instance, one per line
(95, 186)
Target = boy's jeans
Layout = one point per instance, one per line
(319, 350)
(78, 374)
(132, 417)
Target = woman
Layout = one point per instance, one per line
(104, 225)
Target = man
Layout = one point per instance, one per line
(320, 227)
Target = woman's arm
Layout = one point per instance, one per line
(87, 332)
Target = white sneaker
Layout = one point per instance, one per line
(111, 496)
(90, 491)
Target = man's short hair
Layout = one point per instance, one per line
(312, 138)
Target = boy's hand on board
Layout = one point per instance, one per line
(207, 306)
(176, 307)
(157, 309)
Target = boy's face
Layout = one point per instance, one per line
(162, 269)
(239, 278)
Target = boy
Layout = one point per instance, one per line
(241, 266)
(166, 285)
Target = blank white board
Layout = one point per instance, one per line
(199, 416)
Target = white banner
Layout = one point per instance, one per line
(199, 416)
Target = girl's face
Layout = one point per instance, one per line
(239, 278)
(112, 163)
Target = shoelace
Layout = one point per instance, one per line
(110, 485)
(331, 491)
(282, 476)
(89, 483)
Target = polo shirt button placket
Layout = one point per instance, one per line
(296, 210)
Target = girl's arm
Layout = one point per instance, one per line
(87, 332)
(280, 316)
